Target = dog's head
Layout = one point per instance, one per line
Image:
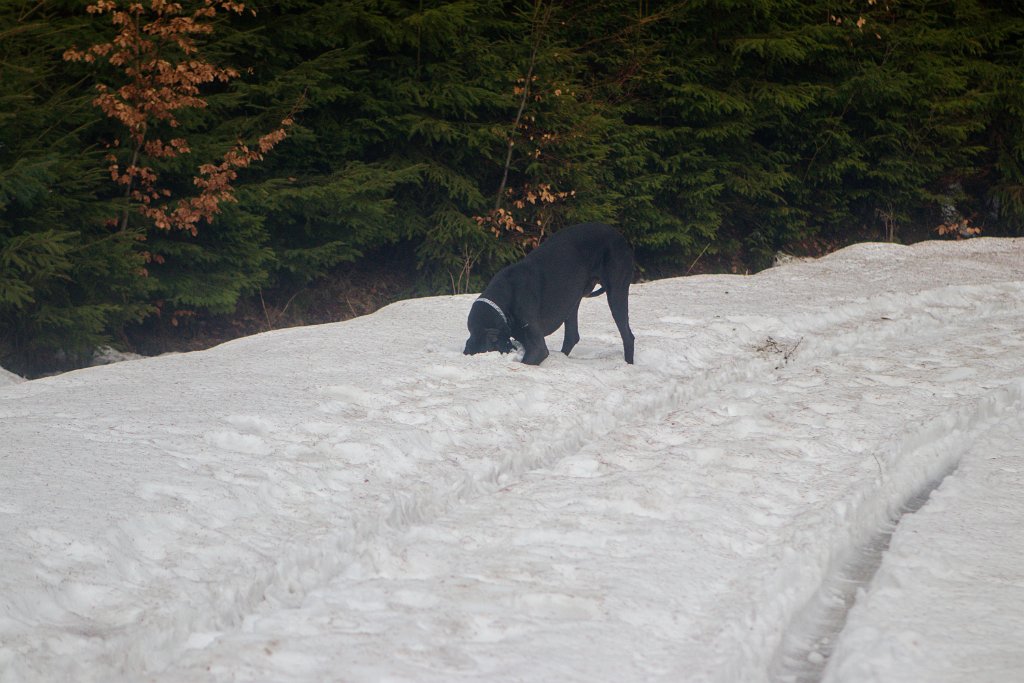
(488, 330)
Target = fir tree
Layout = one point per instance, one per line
(68, 281)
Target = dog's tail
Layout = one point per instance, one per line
(597, 292)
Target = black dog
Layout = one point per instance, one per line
(529, 300)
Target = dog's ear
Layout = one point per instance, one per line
(488, 339)
(498, 339)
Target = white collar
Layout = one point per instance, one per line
(496, 307)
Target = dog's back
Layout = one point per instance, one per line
(569, 263)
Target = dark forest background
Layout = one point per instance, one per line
(430, 142)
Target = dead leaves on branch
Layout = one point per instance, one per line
(958, 230)
(522, 230)
(156, 54)
(215, 186)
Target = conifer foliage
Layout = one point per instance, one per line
(467, 130)
(67, 281)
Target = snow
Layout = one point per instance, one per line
(361, 502)
(105, 355)
(7, 377)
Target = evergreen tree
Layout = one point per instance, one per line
(68, 279)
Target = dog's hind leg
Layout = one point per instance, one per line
(615, 278)
(618, 302)
(572, 330)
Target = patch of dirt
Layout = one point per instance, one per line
(351, 291)
(784, 350)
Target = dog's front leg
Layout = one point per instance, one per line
(536, 349)
(572, 330)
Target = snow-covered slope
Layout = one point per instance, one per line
(361, 502)
(7, 377)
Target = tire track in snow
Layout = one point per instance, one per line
(923, 455)
(811, 635)
(808, 641)
(916, 467)
(960, 543)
